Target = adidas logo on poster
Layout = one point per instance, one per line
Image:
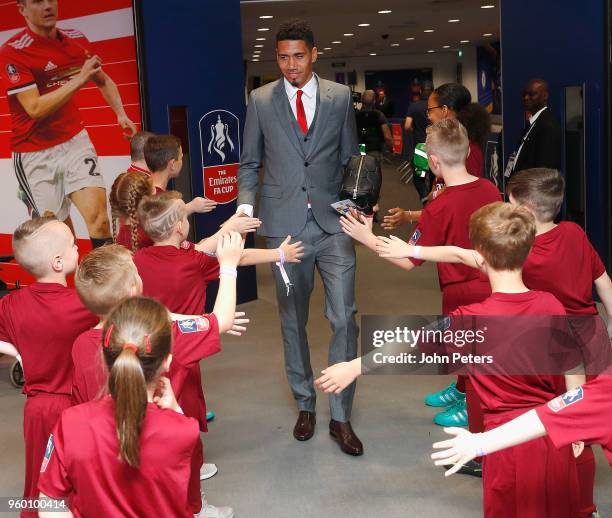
(50, 66)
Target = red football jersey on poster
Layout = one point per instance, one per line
(82, 463)
(90, 373)
(177, 277)
(565, 252)
(28, 61)
(42, 321)
(582, 414)
(195, 338)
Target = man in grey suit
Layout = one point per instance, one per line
(301, 129)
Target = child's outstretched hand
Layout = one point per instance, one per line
(229, 249)
(241, 223)
(239, 325)
(164, 396)
(393, 247)
(357, 226)
(337, 377)
(293, 251)
(201, 205)
(462, 448)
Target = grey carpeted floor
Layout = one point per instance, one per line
(263, 471)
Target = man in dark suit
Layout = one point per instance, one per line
(301, 128)
(384, 104)
(540, 145)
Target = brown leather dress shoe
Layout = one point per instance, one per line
(305, 426)
(344, 435)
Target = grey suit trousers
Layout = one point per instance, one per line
(333, 255)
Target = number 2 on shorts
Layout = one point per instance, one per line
(92, 163)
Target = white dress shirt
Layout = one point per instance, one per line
(309, 99)
(534, 117)
(532, 120)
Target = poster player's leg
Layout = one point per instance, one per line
(84, 185)
(91, 203)
(293, 311)
(336, 264)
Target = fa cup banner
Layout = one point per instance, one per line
(220, 141)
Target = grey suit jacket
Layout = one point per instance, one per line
(297, 168)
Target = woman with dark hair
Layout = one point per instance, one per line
(477, 121)
(451, 101)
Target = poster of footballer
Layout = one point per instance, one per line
(69, 101)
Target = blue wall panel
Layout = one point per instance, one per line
(192, 56)
(563, 42)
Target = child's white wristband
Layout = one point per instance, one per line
(281, 267)
(228, 270)
(417, 252)
(479, 448)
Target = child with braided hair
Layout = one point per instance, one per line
(127, 191)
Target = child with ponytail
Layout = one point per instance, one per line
(130, 453)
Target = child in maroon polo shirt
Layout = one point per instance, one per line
(42, 321)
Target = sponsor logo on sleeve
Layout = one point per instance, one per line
(565, 400)
(48, 451)
(193, 325)
(415, 237)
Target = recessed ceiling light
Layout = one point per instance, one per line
(428, 30)
(487, 6)
(320, 53)
(363, 25)
(263, 29)
(258, 46)
(336, 42)
(410, 38)
(446, 47)
(431, 51)
(257, 52)
(348, 34)
(385, 11)
(372, 53)
(327, 48)
(266, 16)
(395, 44)
(255, 60)
(487, 34)
(464, 41)
(260, 39)
(454, 20)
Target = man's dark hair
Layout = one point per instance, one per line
(296, 29)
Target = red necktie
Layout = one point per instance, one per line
(301, 113)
